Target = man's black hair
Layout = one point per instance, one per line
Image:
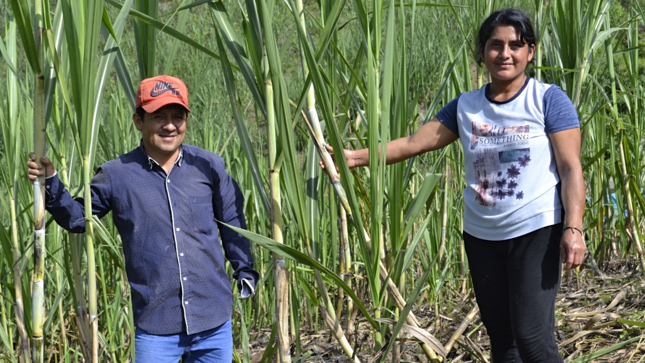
(141, 112)
(507, 17)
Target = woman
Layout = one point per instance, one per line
(525, 192)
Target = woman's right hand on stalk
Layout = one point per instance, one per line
(349, 156)
(45, 168)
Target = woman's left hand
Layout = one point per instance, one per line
(572, 248)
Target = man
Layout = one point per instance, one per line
(166, 199)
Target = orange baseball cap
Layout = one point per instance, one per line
(156, 92)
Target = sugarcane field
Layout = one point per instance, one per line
(322, 181)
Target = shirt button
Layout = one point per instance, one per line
(168, 180)
(48, 186)
(184, 278)
(186, 302)
(178, 229)
(181, 254)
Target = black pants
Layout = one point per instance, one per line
(515, 283)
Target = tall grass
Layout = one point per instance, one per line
(361, 249)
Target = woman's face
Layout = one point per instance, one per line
(505, 55)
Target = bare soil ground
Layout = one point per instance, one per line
(595, 312)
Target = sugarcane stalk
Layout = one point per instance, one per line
(37, 282)
(5, 327)
(81, 311)
(345, 263)
(630, 209)
(63, 331)
(615, 172)
(12, 115)
(338, 333)
(23, 345)
(37, 279)
(91, 261)
(328, 312)
(461, 328)
(330, 169)
(341, 262)
(600, 217)
(279, 268)
(621, 150)
(444, 213)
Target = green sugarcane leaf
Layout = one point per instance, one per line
(271, 347)
(4, 338)
(295, 255)
(591, 357)
(419, 333)
(305, 285)
(637, 195)
(57, 31)
(193, 4)
(354, 79)
(107, 59)
(6, 244)
(181, 27)
(430, 183)
(112, 245)
(444, 82)
(330, 28)
(169, 30)
(245, 140)
(61, 80)
(52, 313)
(593, 159)
(11, 124)
(409, 253)
(254, 50)
(74, 58)
(292, 172)
(5, 54)
(146, 38)
(246, 353)
(108, 24)
(346, 176)
(601, 37)
(22, 16)
(90, 71)
(227, 32)
(124, 78)
(639, 324)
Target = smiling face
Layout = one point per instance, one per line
(506, 56)
(163, 131)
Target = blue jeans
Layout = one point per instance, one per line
(210, 346)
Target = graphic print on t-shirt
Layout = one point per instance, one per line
(500, 154)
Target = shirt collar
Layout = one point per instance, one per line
(152, 162)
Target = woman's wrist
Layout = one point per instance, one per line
(573, 230)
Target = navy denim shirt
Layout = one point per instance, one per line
(173, 254)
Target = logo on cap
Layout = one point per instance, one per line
(163, 87)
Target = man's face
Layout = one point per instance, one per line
(163, 131)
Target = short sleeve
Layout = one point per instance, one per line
(559, 113)
(448, 115)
